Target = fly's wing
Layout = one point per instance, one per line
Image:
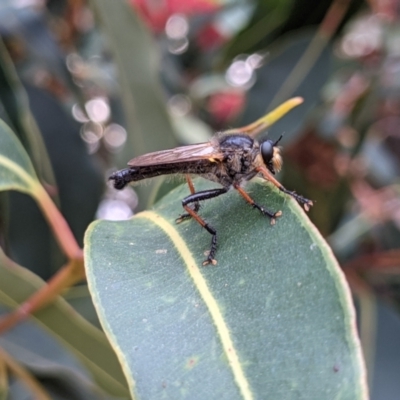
(178, 155)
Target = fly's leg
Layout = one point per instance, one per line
(263, 210)
(300, 199)
(196, 205)
(195, 198)
(306, 203)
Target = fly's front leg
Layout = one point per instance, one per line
(263, 210)
(306, 203)
(195, 198)
(196, 206)
(300, 199)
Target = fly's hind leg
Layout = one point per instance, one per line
(196, 205)
(263, 210)
(195, 198)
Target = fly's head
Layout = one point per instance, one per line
(271, 155)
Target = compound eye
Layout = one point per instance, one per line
(267, 151)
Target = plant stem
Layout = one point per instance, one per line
(62, 231)
(24, 375)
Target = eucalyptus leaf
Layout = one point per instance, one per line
(59, 373)
(273, 319)
(138, 61)
(15, 106)
(60, 323)
(16, 169)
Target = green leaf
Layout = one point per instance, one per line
(274, 316)
(16, 169)
(61, 322)
(16, 107)
(137, 58)
(266, 22)
(57, 371)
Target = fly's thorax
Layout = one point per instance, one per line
(238, 150)
(240, 161)
(237, 142)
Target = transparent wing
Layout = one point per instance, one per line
(181, 154)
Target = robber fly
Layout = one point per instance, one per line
(229, 159)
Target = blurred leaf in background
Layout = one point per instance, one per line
(27, 109)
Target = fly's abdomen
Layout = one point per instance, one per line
(123, 177)
(134, 174)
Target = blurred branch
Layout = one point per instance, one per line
(24, 375)
(71, 273)
(58, 224)
(387, 262)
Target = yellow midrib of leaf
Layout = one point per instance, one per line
(212, 305)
